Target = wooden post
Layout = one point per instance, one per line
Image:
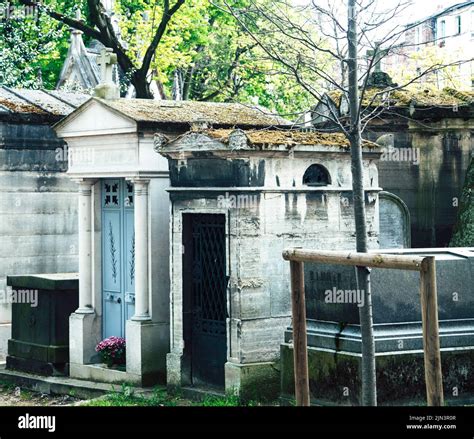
(300, 353)
(429, 314)
(429, 311)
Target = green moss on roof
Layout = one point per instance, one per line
(287, 137)
(336, 96)
(145, 110)
(20, 107)
(419, 97)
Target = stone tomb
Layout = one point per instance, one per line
(124, 225)
(238, 199)
(40, 330)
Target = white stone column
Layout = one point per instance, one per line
(142, 309)
(85, 247)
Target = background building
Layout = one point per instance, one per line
(446, 36)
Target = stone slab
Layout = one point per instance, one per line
(335, 377)
(54, 281)
(56, 385)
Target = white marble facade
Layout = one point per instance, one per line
(106, 145)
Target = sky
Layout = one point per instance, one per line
(419, 9)
(424, 8)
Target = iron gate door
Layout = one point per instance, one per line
(118, 256)
(209, 299)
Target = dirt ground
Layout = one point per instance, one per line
(14, 396)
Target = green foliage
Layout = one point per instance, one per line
(127, 397)
(215, 401)
(7, 386)
(454, 74)
(204, 54)
(464, 231)
(207, 56)
(32, 47)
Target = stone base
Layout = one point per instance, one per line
(335, 377)
(254, 381)
(5, 335)
(175, 376)
(37, 367)
(100, 373)
(107, 91)
(84, 335)
(39, 352)
(54, 385)
(147, 347)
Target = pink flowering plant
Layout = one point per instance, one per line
(112, 350)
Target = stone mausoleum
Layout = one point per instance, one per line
(238, 198)
(123, 224)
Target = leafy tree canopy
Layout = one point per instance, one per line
(204, 54)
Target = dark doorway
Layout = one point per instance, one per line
(204, 298)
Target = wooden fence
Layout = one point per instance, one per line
(429, 311)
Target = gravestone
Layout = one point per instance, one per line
(394, 220)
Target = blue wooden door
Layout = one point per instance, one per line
(118, 256)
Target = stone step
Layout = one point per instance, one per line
(58, 385)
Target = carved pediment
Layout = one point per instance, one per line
(191, 141)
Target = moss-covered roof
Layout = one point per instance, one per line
(45, 104)
(223, 114)
(447, 97)
(287, 137)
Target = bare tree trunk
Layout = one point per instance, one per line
(369, 392)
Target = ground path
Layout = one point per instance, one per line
(14, 396)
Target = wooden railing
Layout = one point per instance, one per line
(429, 311)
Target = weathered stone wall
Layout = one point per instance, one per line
(260, 278)
(38, 205)
(273, 212)
(432, 187)
(334, 378)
